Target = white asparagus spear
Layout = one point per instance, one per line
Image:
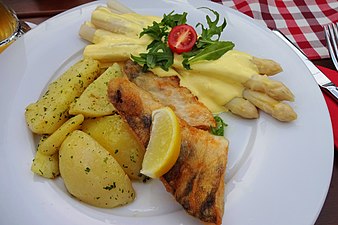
(103, 18)
(243, 108)
(279, 110)
(267, 66)
(108, 53)
(87, 31)
(273, 88)
(129, 24)
(118, 7)
(90, 33)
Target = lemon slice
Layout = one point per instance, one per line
(164, 144)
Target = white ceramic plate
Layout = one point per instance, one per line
(278, 173)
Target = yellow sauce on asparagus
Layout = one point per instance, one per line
(217, 82)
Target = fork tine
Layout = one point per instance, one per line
(331, 34)
(334, 36)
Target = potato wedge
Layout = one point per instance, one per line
(52, 143)
(115, 135)
(91, 174)
(46, 165)
(51, 110)
(94, 101)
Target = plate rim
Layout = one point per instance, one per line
(79, 8)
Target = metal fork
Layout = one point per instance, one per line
(331, 35)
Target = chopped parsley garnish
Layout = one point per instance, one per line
(109, 187)
(87, 170)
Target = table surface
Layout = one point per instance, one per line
(37, 11)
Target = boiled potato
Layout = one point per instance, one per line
(115, 136)
(46, 165)
(94, 101)
(51, 110)
(91, 174)
(51, 145)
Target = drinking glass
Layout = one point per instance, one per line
(11, 27)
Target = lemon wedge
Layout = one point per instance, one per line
(164, 145)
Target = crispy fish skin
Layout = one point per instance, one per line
(197, 178)
(169, 92)
(134, 106)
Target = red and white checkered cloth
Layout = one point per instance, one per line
(300, 20)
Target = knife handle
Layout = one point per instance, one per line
(332, 89)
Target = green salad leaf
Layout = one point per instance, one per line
(218, 130)
(210, 52)
(208, 46)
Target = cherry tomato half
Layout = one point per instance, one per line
(182, 38)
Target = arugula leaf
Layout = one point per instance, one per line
(158, 55)
(208, 33)
(156, 31)
(208, 47)
(173, 20)
(220, 125)
(160, 31)
(212, 52)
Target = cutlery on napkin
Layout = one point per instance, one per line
(332, 104)
(324, 81)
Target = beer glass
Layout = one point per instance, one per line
(11, 27)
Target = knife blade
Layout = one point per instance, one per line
(322, 80)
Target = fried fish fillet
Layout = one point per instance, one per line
(197, 178)
(134, 105)
(169, 92)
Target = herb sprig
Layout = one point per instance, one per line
(218, 130)
(207, 47)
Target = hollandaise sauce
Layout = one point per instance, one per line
(217, 82)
